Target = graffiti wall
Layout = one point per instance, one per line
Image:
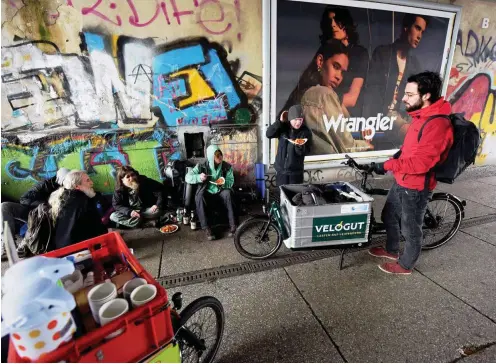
(95, 84)
(472, 84)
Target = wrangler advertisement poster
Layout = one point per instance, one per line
(347, 63)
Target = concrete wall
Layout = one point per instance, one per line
(96, 84)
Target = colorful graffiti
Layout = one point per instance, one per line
(472, 87)
(96, 84)
(189, 84)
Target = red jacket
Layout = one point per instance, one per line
(418, 157)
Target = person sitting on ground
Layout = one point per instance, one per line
(36, 195)
(208, 174)
(74, 211)
(137, 198)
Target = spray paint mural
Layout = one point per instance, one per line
(98, 84)
(472, 87)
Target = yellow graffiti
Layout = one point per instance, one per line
(485, 125)
(200, 90)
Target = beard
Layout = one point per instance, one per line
(417, 106)
(134, 185)
(90, 192)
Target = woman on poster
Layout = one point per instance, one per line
(337, 24)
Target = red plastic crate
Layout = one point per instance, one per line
(146, 328)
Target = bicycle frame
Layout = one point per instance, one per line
(276, 216)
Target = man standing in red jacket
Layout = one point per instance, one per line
(407, 199)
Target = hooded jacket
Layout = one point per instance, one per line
(213, 174)
(290, 157)
(419, 156)
(39, 193)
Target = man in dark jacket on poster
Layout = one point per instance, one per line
(295, 140)
(74, 211)
(407, 200)
(136, 198)
(36, 195)
(389, 69)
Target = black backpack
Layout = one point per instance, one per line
(38, 238)
(463, 151)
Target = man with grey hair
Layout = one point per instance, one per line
(38, 194)
(74, 212)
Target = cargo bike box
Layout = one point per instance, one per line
(343, 224)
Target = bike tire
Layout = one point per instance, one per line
(197, 305)
(452, 228)
(260, 221)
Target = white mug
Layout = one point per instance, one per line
(143, 294)
(131, 285)
(112, 310)
(100, 295)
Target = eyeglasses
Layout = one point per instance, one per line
(409, 94)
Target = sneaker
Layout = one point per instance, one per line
(232, 231)
(394, 268)
(210, 235)
(380, 252)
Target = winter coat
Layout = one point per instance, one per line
(39, 193)
(78, 219)
(290, 157)
(213, 173)
(150, 193)
(419, 156)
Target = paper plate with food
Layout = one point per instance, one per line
(298, 141)
(219, 182)
(169, 229)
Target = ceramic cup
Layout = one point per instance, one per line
(100, 295)
(112, 310)
(131, 285)
(143, 294)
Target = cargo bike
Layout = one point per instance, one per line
(157, 332)
(339, 225)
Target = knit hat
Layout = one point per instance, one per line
(295, 112)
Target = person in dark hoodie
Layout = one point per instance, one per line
(137, 198)
(74, 211)
(36, 195)
(208, 174)
(290, 154)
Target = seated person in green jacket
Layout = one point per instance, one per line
(217, 179)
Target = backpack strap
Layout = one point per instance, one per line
(427, 121)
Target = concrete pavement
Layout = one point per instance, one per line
(312, 312)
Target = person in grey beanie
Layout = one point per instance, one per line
(295, 140)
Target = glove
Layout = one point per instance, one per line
(378, 168)
(397, 154)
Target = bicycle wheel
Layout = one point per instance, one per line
(441, 222)
(201, 326)
(251, 241)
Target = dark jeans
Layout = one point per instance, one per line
(12, 211)
(288, 179)
(227, 198)
(406, 207)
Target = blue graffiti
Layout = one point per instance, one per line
(169, 90)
